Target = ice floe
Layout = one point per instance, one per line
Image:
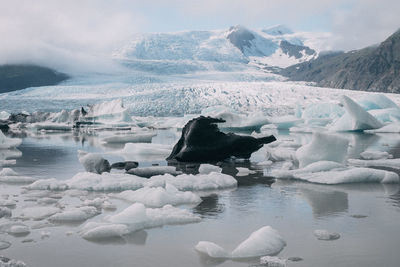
(93, 162)
(6, 142)
(7, 175)
(157, 197)
(271, 261)
(39, 212)
(209, 168)
(121, 182)
(323, 147)
(375, 155)
(131, 138)
(74, 214)
(326, 235)
(244, 171)
(136, 217)
(391, 163)
(264, 241)
(329, 172)
(355, 118)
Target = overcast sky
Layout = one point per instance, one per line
(56, 31)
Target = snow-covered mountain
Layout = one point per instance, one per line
(221, 50)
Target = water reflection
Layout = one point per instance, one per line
(210, 206)
(136, 238)
(333, 200)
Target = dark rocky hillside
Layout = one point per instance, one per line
(15, 77)
(370, 69)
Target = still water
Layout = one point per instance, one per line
(365, 215)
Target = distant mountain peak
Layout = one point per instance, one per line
(278, 30)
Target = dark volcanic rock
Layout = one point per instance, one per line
(202, 141)
(375, 68)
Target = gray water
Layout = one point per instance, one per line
(365, 215)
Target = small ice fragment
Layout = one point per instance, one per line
(19, 230)
(326, 235)
(93, 162)
(75, 214)
(321, 148)
(44, 234)
(265, 241)
(211, 249)
(39, 213)
(208, 168)
(270, 261)
(244, 171)
(372, 155)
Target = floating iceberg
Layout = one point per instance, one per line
(137, 217)
(8, 175)
(157, 197)
(39, 213)
(328, 172)
(326, 235)
(132, 138)
(244, 171)
(390, 163)
(264, 241)
(270, 261)
(121, 182)
(74, 215)
(93, 162)
(111, 111)
(355, 118)
(209, 168)
(323, 147)
(376, 101)
(389, 128)
(6, 142)
(375, 155)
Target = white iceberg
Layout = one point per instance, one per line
(137, 217)
(376, 101)
(390, 163)
(121, 182)
(6, 142)
(355, 118)
(39, 213)
(326, 235)
(208, 168)
(93, 162)
(157, 197)
(244, 171)
(369, 154)
(113, 111)
(389, 128)
(323, 147)
(328, 172)
(131, 138)
(7, 175)
(74, 214)
(264, 241)
(271, 261)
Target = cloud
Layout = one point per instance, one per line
(63, 34)
(79, 36)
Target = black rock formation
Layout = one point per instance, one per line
(202, 141)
